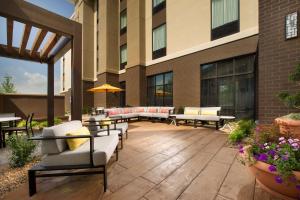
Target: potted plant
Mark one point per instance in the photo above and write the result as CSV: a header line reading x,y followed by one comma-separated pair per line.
x,y
291,122
274,161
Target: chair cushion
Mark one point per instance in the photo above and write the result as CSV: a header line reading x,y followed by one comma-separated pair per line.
x,y
104,147
208,118
75,143
123,126
145,114
185,117
160,115
210,110
58,146
111,132
188,111
152,110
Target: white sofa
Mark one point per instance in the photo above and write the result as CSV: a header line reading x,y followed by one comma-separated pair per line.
x,y
94,153
202,114
141,112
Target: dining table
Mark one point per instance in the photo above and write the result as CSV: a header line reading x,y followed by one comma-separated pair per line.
x,y
9,120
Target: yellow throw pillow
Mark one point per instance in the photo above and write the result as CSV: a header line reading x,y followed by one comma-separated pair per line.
x,y
191,112
208,112
75,143
104,122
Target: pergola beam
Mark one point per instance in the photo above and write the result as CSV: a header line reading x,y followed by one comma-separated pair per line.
x,y
64,46
25,37
10,30
37,41
28,13
13,52
49,45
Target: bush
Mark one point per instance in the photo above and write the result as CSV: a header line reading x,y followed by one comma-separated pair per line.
x,y
244,129
21,150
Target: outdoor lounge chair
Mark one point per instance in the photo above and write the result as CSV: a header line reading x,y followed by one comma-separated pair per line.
x,y
111,126
202,114
93,154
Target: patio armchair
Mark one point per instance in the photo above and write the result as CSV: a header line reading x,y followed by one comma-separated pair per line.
x,y
27,128
92,154
99,127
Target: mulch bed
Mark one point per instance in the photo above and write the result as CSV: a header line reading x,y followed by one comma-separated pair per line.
x,y
12,178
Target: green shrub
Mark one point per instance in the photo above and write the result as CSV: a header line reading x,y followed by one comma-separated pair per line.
x,y
21,150
180,110
57,121
244,129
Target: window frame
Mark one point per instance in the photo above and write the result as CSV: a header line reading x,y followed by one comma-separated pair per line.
x,y
225,29
158,7
162,51
163,86
122,65
124,29
235,76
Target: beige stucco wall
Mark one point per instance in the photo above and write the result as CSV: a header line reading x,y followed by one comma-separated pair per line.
x,y
189,23
135,32
65,85
109,36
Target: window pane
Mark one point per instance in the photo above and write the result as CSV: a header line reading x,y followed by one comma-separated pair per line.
x,y
217,13
230,10
244,65
157,2
159,94
209,95
151,96
159,38
124,54
123,20
208,71
226,95
225,68
169,78
159,79
245,96
151,81
224,11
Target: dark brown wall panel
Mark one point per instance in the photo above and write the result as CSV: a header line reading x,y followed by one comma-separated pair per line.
x,y
23,105
159,18
277,57
123,39
186,69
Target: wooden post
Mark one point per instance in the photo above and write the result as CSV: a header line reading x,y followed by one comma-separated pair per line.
x,y
76,74
50,97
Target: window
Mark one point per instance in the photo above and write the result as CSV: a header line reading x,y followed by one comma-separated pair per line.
x,y
123,56
160,90
230,84
158,5
225,18
159,42
123,22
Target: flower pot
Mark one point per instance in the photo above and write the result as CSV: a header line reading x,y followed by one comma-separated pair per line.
x,y
285,190
289,126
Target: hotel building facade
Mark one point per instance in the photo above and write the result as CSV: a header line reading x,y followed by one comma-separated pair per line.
x,y
184,53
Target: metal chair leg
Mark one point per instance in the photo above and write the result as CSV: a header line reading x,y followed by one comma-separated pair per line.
x,y
105,178
31,182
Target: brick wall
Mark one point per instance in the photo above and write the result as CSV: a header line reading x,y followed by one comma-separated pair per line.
x,y
277,57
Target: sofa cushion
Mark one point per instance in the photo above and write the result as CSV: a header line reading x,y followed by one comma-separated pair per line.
x,y
164,110
152,110
160,115
145,114
123,126
111,132
57,146
208,118
75,143
192,110
139,109
104,147
210,110
185,117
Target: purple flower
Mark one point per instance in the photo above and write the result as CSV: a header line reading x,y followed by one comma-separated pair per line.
x,y
298,187
241,151
290,141
278,179
272,168
286,156
272,153
263,157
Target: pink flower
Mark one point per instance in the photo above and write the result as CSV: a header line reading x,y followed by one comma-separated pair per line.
x,y
281,138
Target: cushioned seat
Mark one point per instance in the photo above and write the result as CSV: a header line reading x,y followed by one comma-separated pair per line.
x,y
160,115
104,148
185,117
207,118
111,132
145,114
123,126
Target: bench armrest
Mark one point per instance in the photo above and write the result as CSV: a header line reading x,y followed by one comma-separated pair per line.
x,y
91,137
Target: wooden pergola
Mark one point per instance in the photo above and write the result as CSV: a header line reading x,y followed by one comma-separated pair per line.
x,y
65,35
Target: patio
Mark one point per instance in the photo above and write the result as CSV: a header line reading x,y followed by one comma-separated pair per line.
x,y
160,161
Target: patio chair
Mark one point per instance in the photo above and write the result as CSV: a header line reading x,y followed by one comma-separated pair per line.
x,y
92,156
27,128
111,126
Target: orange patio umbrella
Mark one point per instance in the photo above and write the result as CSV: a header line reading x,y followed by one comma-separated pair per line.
x,y
105,88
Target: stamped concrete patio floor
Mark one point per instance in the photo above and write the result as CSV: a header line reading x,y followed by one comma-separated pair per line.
x,y
161,161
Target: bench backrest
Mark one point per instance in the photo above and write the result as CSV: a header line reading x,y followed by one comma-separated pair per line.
x,y
58,146
202,110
